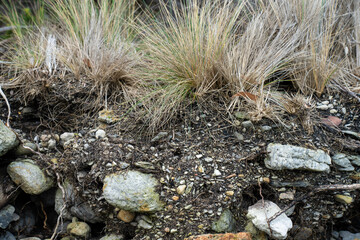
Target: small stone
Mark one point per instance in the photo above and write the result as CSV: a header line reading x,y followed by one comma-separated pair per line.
x,y
247,124
286,196
303,234
65,138
145,165
239,136
266,180
198,156
265,128
208,159
343,199
325,102
23,149
126,216
51,144
6,216
333,111
167,229
159,136
216,173
8,139
175,198
113,237
173,230
343,110
355,176
229,193
144,224
323,107
79,229
181,189
225,223
342,162
108,116
100,134
201,169
232,236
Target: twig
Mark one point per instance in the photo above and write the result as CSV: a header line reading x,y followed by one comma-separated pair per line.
x,y
59,219
263,203
323,188
8,106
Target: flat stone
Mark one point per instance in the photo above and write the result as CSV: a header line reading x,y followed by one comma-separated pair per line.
x,y
296,158
23,149
159,136
67,137
143,224
145,165
112,237
239,136
133,191
108,116
8,139
343,199
259,214
225,223
342,162
28,175
181,189
229,236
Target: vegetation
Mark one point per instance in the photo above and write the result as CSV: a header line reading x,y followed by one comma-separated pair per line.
x,y
254,55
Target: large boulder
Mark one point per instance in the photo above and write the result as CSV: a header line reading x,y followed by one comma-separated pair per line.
x,y
133,191
29,176
296,158
8,139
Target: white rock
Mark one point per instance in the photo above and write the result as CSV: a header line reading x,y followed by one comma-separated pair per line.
x,y
296,158
217,173
100,134
66,138
259,215
333,111
181,189
323,107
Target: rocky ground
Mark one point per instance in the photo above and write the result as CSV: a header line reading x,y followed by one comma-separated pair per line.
x,y
204,175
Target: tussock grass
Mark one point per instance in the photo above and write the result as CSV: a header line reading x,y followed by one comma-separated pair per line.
x,y
251,55
184,50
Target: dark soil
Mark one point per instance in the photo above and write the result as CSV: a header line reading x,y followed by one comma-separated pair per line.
x,y
182,157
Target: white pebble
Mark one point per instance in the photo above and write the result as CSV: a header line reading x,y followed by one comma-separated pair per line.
x,y
217,173
100,134
333,111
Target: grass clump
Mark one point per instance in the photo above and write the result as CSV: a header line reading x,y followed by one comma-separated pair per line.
x,y
185,48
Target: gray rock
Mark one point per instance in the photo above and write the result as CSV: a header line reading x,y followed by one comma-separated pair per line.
x,y
51,144
66,138
7,236
133,191
296,158
143,224
159,136
6,216
226,222
247,124
259,214
265,128
345,235
85,212
112,237
297,184
8,139
239,136
342,162
23,149
29,176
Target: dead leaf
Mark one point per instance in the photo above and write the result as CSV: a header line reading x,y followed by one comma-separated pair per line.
x,y
331,121
87,62
245,95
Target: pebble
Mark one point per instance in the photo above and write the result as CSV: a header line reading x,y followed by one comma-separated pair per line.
x,y
208,159
229,193
100,134
287,196
217,173
343,199
323,107
113,237
126,216
181,189
239,136
144,224
6,216
266,128
79,229
247,124
226,222
333,111
159,136
175,198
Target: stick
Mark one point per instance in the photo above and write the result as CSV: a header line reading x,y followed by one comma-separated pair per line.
x,y
8,106
323,188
